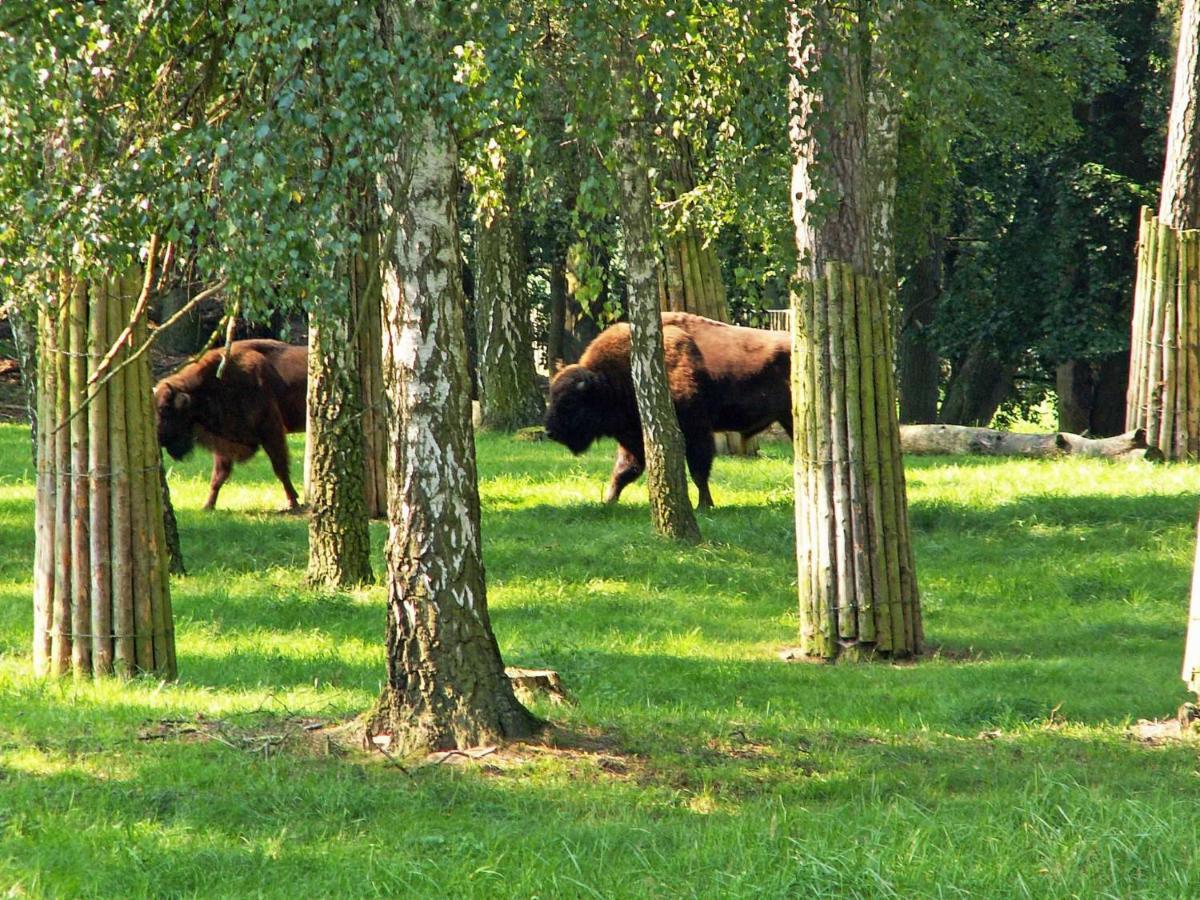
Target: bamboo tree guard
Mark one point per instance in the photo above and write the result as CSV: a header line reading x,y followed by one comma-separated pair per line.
x,y
858,590
1164,365
101,592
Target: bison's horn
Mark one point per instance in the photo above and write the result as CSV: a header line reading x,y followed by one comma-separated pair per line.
x,y
181,400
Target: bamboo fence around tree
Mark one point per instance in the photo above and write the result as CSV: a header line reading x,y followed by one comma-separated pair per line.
x,y
101,590
1164,365
858,591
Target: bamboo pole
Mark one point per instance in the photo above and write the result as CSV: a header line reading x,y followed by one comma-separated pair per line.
x,y
81,608
807,440
845,625
1169,357
124,648
47,503
1158,296
827,586
872,471
913,633
887,474
853,289
60,652
1135,399
1179,436
1192,347
148,470
99,477
143,605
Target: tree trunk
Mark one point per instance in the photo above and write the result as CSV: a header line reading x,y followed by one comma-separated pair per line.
x,y
446,686
976,389
670,506
953,440
101,585
918,363
339,546
509,396
170,527
1164,382
1179,205
857,584
555,330
366,295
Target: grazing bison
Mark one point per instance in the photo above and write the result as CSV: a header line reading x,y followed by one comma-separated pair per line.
x,y
722,378
258,399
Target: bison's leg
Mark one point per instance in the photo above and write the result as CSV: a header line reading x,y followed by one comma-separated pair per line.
x,y
222,466
701,449
275,444
625,471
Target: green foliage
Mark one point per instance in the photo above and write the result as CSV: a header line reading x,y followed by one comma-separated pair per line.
x,y
1054,589
1030,136
234,133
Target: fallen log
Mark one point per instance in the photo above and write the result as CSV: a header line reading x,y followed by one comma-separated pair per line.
x,y
955,440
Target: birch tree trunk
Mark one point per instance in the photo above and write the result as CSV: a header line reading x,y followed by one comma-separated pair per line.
x,y
101,586
446,686
857,584
670,506
509,397
339,546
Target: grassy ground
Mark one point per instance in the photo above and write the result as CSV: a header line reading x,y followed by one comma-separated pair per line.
x,y
997,767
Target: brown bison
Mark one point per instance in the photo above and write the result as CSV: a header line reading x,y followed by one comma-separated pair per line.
x,y
258,399
722,378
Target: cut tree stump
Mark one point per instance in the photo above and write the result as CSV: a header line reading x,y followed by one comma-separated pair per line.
x,y
955,440
538,681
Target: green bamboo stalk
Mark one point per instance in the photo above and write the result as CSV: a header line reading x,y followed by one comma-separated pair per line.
x,y
1192,348
156,550
1180,431
1157,322
60,651
143,603
853,289
877,551
845,610
1135,411
887,471
99,472
823,536
805,447
1169,347
47,500
120,524
913,631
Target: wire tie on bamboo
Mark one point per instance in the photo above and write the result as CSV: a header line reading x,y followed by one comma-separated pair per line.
x,y
120,637
99,476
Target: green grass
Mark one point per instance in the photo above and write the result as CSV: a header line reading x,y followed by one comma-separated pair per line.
x,y
1056,592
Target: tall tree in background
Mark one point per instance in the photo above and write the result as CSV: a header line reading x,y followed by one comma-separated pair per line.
x,y
857,582
446,686
670,506
509,397
1164,383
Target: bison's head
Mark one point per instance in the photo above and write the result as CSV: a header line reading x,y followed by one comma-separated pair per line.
x,y
576,413
176,420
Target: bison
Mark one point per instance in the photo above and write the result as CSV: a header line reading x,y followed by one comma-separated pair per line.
x,y
257,400
722,378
